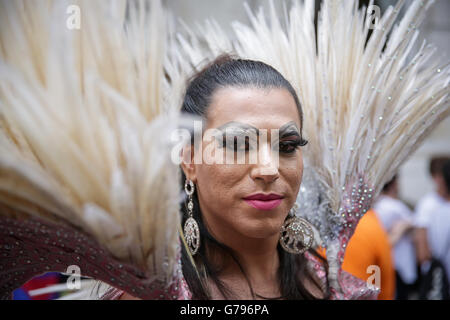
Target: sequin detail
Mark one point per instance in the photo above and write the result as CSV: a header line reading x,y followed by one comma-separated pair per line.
x,y
31,246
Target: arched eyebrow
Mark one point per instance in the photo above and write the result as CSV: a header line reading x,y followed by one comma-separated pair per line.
x,y
238,125
288,129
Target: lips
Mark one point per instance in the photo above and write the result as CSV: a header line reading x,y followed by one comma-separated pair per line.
x,y
264,201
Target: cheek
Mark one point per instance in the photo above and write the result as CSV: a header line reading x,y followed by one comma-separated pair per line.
x,y
292,171
216,183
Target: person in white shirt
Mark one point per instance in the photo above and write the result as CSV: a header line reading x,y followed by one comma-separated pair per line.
x,y
427,206
397,220
438,227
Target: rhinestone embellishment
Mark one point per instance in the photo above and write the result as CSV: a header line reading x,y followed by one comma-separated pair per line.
x,y
192,235
296,235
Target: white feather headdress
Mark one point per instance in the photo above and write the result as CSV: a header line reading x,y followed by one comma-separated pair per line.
x,y
84,126
368,102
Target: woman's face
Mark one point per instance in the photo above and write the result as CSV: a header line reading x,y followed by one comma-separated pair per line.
x,y
232,196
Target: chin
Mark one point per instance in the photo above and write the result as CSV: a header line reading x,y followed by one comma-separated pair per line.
x,y
261,229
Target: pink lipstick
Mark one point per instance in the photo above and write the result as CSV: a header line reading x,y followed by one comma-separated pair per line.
x,y
264,201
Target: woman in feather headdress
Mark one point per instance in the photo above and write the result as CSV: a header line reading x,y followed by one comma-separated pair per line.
x,y
86,176
243,185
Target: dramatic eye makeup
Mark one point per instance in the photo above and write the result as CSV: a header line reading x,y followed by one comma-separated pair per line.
x,y
238,136
290,138
242,137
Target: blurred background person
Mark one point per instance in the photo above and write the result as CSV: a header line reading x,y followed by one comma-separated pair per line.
x,y
397,221
427,206
370,246
436,269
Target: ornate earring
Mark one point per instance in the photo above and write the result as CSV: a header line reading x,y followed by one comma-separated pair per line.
x,y
296,234
191,230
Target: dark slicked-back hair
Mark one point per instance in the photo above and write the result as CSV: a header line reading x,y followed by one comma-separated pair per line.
x,y
225,72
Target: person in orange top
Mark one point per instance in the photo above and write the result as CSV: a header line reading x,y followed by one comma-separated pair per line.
x,y
370,246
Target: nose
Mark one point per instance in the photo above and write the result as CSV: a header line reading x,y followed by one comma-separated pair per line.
x,y
266,168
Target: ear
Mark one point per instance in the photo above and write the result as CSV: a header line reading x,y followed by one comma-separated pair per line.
x,y
187,163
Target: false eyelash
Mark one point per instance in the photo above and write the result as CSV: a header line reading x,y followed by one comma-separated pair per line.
x,y
293,144
303,142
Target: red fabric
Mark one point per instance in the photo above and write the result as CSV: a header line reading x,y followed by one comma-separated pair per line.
x,y
41,282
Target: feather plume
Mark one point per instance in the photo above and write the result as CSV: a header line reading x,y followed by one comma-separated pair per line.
x,y
84,125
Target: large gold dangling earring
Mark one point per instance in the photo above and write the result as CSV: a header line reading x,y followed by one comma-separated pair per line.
x,y
296,234
191,230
